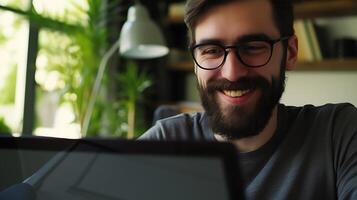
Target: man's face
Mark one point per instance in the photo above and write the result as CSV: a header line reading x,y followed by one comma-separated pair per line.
x,y
239,100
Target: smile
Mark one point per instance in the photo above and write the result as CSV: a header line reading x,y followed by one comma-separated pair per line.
x,y
235,93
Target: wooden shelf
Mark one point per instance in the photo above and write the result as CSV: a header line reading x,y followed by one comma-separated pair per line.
x,y
327,8
309,9
349,64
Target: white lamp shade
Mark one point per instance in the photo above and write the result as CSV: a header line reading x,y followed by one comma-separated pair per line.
x,y
140,37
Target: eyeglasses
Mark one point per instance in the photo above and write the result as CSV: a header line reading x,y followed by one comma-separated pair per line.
x,y
251,53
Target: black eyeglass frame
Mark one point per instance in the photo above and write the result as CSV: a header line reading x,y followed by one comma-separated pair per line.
x,y
237,46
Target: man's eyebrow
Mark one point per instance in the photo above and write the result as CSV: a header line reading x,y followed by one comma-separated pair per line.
x,y
243,38
253,37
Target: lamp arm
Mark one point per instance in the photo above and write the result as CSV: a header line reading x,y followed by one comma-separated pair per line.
x,y
96,86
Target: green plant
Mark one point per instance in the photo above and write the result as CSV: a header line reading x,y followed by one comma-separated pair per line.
x,y
76,59
8,89
132,85
4,129
72,52
2,37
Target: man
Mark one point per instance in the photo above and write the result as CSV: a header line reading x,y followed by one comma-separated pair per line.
x,y
241,49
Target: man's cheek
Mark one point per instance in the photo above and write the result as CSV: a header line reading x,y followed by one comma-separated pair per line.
x,y
202,84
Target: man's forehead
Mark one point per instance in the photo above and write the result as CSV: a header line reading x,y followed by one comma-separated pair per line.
x,y
236,20
236,4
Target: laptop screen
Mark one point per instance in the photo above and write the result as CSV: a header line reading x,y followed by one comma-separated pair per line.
x,y
130,170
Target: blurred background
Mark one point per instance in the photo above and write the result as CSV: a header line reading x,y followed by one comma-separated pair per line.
x,y
50,52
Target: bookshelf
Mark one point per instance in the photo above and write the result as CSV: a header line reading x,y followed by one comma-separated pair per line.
x,y
325,8
307,9
348,64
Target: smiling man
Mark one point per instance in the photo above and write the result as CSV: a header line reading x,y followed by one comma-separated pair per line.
x,y
240,66
241,50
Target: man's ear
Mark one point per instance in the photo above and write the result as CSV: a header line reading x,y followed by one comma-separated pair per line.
x,y
292,51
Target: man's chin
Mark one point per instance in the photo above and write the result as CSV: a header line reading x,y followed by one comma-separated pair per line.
x,y
237,113
231,122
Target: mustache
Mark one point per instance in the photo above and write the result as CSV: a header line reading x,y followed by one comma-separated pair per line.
x,y
244,83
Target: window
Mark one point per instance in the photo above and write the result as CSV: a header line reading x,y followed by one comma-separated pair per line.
x,y
58,68
67,41
14,30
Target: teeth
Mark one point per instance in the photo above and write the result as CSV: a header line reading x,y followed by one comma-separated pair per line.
x,y
235,93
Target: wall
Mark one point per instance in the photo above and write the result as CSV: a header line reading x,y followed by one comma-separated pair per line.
x,y
319,88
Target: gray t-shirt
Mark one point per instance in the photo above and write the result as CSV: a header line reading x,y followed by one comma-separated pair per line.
x,y
312,155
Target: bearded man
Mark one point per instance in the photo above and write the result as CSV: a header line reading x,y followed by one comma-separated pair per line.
x,y
241,50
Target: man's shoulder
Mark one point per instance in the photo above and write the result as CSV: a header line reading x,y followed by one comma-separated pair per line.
x,y
327,119
182,118
183,126
322,110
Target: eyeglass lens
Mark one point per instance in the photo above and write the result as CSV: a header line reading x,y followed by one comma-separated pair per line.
x,y
251,54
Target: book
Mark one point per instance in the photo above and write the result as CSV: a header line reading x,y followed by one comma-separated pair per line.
x,y
324,38
176,11
312,40
305,52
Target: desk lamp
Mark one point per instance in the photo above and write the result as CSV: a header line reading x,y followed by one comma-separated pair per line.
x,y
140,38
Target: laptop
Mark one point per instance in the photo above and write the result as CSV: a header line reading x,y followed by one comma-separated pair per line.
x,y
107,169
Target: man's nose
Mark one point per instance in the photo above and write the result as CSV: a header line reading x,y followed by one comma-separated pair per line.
x,y
233,69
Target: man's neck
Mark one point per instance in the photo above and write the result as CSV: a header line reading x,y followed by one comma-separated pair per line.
x,y
255,142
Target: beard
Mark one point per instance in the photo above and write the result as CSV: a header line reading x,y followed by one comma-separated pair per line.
x,y
236,122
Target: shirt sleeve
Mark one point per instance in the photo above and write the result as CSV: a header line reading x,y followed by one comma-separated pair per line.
x,y
345,152
182,127
178,128
154,133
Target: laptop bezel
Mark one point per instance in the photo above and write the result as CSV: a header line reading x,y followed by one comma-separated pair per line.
x,y
225,151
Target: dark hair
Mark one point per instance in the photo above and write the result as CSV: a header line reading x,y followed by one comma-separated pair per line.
x,y
282,13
